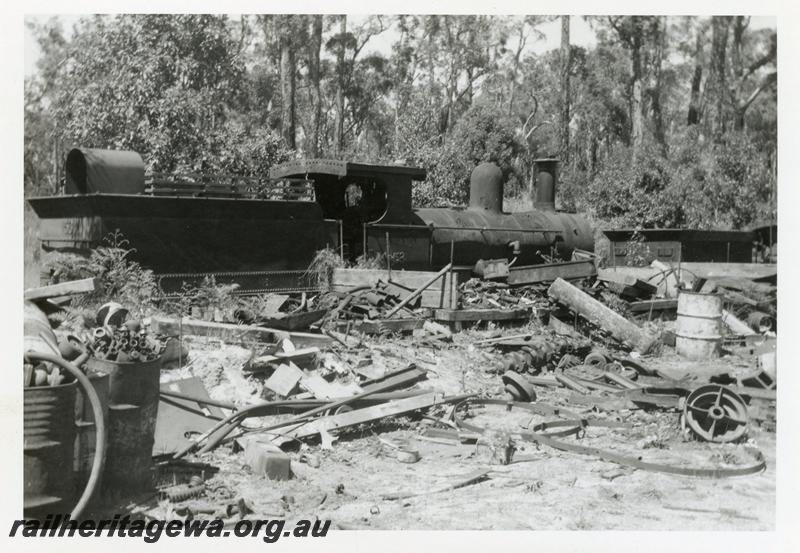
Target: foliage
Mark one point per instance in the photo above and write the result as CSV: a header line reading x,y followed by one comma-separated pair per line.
x,y
483,133
323,265
670,125
120,279
635,194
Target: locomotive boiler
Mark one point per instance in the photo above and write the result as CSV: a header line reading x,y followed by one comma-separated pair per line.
x,y
263,232
373,204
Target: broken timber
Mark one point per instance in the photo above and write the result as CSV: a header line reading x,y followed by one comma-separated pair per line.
x,y
597,313
424,286
358,416
474,315
533,274
235,333
82,286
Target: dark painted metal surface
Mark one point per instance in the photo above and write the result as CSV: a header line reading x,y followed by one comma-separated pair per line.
x,y
486,188
538,233
132,413
545,196
341,168
180,235
48,444
111,171
685,245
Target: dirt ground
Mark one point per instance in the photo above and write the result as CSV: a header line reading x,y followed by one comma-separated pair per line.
x,y
553,490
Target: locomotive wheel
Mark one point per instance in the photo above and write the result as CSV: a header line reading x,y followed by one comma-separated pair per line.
x,y
715,413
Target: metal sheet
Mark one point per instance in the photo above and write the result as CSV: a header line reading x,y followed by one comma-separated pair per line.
x,y
179,419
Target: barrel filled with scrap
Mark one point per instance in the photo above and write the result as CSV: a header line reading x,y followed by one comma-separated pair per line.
x,y
131,358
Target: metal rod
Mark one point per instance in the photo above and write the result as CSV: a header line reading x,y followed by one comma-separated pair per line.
x,y
388,256
341,239
365,241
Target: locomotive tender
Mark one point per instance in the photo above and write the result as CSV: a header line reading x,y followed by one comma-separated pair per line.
x,y
263,233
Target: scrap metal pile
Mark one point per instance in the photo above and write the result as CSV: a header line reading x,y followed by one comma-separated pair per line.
x,y
586,355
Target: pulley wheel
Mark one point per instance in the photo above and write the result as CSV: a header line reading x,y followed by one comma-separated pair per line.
x,y
715,413
519,387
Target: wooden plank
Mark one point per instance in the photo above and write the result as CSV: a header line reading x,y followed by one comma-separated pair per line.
x,y
224,331
750,271
462,315
533,274
82,286
389,325
285,378
656,305
347,279
360,416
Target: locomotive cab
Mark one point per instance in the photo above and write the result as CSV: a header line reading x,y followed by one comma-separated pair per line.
x,y
356,195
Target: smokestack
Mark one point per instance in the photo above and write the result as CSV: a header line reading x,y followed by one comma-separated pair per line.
x,y
546,180
486,188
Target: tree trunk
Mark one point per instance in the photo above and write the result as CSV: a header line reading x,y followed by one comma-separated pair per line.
x,y
719,46
340,70
287,77
693,117
637,123
566,59
655,93
314,74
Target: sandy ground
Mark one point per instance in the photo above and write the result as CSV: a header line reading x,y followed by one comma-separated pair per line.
x,y
552,491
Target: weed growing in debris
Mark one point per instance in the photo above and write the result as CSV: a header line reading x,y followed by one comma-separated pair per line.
x,y
119,278
326,261
323,265
638,251
126,282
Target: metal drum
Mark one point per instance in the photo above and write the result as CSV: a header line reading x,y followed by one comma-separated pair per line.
x,y
697,330
49,441
132,411
85,439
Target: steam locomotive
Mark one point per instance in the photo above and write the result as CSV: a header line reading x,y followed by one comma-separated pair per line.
x,y
264,232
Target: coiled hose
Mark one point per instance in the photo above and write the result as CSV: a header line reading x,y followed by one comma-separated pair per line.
x,y
98,462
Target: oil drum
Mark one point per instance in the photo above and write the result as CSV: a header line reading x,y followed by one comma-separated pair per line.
x,y
49,442
697,330
133,392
